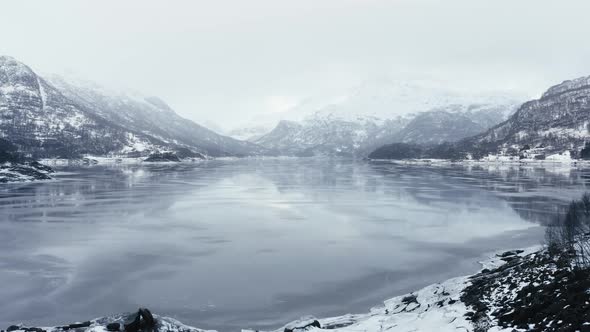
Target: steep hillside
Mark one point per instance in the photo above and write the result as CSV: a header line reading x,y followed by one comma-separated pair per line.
x,y
44,119
151,116
43,122
436,127
557,123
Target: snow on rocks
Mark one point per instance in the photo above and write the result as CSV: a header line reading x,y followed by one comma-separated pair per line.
x,y
518,290
453,305
562,159
24,172
116,160
142,320
532,292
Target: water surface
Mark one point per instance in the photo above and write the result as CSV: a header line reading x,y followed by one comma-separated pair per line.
x,y
257,243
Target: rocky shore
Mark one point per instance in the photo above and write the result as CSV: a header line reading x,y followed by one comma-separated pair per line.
x,y
24,172
141,320
537,292
519,290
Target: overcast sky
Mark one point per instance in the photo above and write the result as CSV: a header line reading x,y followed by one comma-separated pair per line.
x,y
226,61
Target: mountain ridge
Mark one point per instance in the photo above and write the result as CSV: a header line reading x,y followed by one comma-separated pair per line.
x,y
56,118
323,134
556,123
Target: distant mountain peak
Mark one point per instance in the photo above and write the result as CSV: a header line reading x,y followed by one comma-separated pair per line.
x,y
385,110
8,60
17,74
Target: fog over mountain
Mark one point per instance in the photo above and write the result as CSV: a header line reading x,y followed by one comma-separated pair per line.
x,y
554,127
54,117
230,62
377,112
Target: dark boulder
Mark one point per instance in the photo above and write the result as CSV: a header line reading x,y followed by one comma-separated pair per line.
x,y
148,318
113,327
510,253
410,299
17,170
303,325
143,320
79,325
38,166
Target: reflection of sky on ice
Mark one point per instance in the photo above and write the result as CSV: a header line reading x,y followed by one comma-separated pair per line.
x,y
257,243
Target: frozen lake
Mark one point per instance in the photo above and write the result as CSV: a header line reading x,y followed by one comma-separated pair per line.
x,y
257,243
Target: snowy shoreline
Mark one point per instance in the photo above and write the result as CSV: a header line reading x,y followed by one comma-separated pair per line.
x,y
437,307
15,173
24,172
95,160
500,162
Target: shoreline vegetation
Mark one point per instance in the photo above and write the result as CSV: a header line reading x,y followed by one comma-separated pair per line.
x,y
542,288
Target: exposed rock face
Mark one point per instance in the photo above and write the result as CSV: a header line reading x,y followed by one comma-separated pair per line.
x,y
579,83
142,321
113,327
60,119
303,325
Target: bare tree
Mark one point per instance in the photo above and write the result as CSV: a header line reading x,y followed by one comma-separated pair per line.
x,y
569,235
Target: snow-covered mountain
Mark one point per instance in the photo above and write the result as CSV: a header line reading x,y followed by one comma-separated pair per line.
x,y
332,136
559,121
57,118
435,127
385,98
369,117
555,126
250,134
151,115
